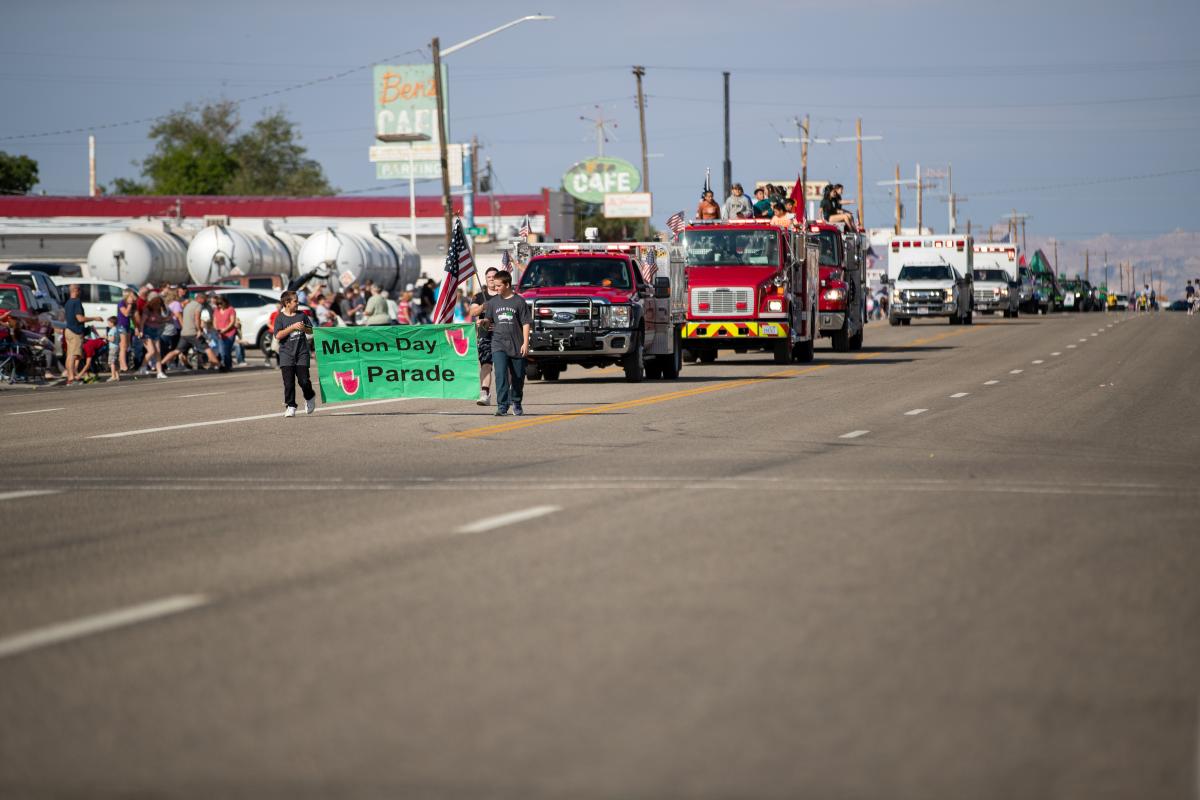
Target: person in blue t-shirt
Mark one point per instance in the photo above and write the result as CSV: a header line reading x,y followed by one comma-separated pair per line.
x,y
76,323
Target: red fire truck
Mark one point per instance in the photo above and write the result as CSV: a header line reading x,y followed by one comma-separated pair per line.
x,y
750,284
843,300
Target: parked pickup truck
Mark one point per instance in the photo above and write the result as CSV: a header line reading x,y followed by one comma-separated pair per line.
x,y
597,305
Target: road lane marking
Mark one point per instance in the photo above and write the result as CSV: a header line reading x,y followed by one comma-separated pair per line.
x,y
1071,346
1038,361
230,420
1056,354
1015,371
86,626
27,493
201,394
915,411
990,383
1083,340
853,434
957,395
511,518
1095,334
35,411
520,423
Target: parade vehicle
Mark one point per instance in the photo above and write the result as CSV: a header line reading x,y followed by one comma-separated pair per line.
x,y
1000,288
842,302
931,276
1118,302
1077,295
749,284
597,304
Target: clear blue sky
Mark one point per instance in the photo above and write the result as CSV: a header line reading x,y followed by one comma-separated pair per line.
x,y
1015,95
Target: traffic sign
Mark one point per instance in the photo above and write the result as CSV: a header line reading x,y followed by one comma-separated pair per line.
x,y
477,230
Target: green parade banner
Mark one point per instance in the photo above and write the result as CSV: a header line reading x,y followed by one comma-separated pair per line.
x,y
381,361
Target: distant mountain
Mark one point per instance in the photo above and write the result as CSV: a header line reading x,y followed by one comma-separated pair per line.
x,y
1174,258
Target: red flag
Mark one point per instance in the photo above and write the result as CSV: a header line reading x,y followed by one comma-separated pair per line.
x,y
799,199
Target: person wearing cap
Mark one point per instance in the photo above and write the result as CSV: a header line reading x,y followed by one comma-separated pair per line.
x,y
737,205
191,330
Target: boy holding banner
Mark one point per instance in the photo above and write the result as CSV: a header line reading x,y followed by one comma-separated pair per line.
x,y
509,319
291,329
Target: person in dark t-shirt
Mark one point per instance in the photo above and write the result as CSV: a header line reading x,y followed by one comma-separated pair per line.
x,y
291,331
509,319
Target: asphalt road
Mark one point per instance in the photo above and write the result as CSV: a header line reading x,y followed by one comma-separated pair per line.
x,y
960,564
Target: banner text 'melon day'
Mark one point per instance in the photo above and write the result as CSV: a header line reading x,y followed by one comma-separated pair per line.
x,y
333,347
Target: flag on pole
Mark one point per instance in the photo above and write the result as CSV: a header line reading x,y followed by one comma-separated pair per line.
x,y
525,229
506,261
798,196
707,182
460,266
650,266
675,223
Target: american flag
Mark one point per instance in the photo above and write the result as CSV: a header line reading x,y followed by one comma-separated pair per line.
x,y
675,223
460,266
525,228
506,261
650,265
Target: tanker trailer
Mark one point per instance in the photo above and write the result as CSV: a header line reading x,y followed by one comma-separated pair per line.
x,y
340,258
219,251
407,257
139,256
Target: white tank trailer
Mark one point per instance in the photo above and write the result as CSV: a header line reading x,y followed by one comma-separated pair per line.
x,y
342,257
218,251
139,256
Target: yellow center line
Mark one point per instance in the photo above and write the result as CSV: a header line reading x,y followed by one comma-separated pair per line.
x,y
528,422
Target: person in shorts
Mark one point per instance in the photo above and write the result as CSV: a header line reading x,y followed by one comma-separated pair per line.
x,y
114,351
76,325
191,332
483,336
291,331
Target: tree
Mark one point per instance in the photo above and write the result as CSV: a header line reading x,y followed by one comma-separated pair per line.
x,y
198,151
18,174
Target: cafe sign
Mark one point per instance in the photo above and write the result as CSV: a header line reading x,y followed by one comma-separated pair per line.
x,y
589,181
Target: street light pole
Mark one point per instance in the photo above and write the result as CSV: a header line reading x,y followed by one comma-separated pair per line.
x,y
411,139
435,45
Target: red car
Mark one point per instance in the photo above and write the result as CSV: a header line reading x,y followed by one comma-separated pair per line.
x,y
18,301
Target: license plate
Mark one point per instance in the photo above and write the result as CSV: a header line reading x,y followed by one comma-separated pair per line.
x,y
922,310
769,330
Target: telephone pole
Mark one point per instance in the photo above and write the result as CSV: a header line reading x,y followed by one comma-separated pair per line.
x,y
953,200
638,72
858,140
1087,265
443,156
728,163
896,184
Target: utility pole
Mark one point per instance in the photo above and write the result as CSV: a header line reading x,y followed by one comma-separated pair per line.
x,y
638,72
953,200
899,212
858,139
728,163
447,208
1087,265
1056,258
1023,235
920,208
91,165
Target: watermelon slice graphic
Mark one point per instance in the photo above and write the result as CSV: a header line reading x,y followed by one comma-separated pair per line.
x,y
458,340
347,382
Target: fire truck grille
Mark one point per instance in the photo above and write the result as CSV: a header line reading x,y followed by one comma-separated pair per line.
x,y
722,302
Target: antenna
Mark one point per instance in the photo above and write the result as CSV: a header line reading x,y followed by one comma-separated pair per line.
x,y
602,126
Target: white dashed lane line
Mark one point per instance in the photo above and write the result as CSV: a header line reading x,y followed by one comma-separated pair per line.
x,y
86,626
990,383
185,425
1083,340
957,395
201,394
1015,371
35,411
26,493
915,411
1072,346
511,518
853,434
1038,361
1056,354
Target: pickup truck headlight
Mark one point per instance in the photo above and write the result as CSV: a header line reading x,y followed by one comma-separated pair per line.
x,y
949,294
775,305
1004,291
895,295
619,316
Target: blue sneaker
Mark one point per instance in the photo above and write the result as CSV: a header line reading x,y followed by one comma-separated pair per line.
x,y
501,411
517,410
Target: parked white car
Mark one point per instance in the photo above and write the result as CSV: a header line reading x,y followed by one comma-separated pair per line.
x,y
100,298
254,308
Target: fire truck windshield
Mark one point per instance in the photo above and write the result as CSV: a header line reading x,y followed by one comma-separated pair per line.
x,y
725,248
561,271
831,248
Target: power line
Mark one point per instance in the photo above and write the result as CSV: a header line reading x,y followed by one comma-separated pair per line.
x,y
1094,182
238,102
911,106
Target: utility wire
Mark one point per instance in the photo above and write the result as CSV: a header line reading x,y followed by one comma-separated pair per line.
x,y
1094,182
237,102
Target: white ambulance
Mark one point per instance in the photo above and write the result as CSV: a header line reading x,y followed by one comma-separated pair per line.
x,y
930,276
997,279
